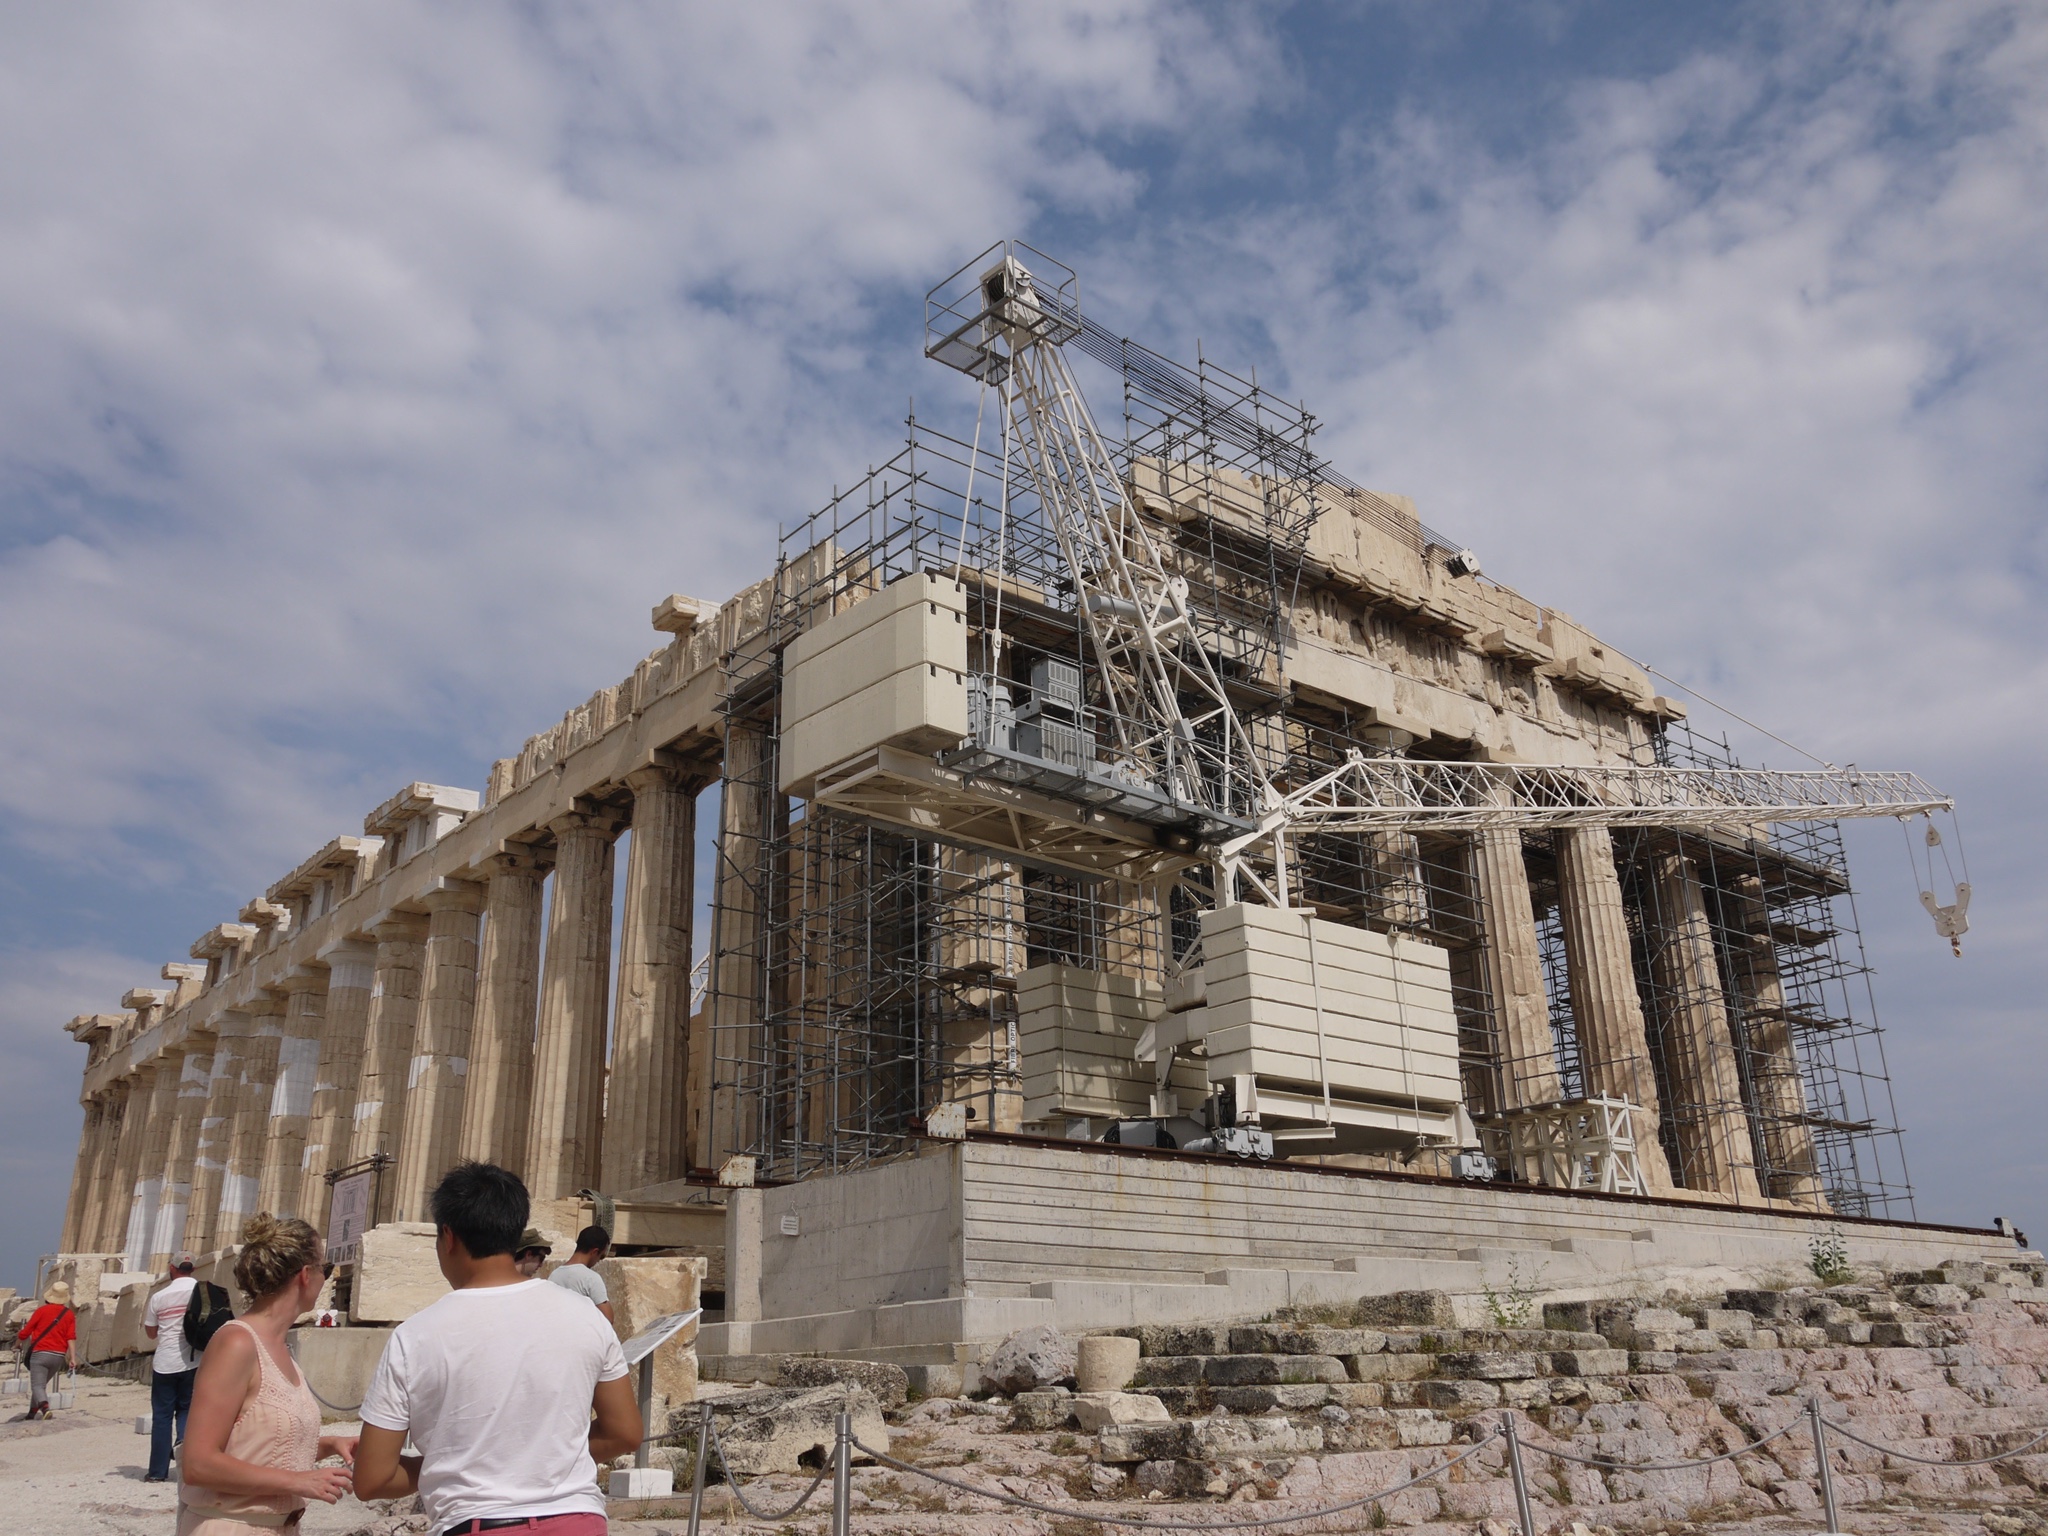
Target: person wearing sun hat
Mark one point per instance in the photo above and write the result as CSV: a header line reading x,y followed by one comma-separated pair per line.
x,y
49,1340
532,1252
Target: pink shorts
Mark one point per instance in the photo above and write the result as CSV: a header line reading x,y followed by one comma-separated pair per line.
x,y
546,1525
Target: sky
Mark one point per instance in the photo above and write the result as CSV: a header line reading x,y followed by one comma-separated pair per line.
x,y
367,373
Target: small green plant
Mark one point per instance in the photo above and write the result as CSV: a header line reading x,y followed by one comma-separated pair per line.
x,y
1379,1517
1828,1256
1065,1445
1514,1304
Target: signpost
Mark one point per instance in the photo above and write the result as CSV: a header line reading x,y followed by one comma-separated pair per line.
x,y
352,1207
639,1350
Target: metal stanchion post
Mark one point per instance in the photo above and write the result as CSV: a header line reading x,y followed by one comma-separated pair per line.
x,y
1523,1512
842,1478
1820,1461
703,1456
640,1457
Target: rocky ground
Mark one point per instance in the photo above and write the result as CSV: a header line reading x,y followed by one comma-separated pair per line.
x,y
1302,1413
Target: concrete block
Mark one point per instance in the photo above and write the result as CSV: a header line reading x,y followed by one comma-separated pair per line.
x,y
1104,1363
1473,1365
1391,1367
645,1289
1265,1399
1041,1410
1282,1339
397,1273
643,1483
1408,1309
1270,1370
1227,1439
1589,1362
932,1380
1126,1443
1457,1394
1180,1339
1096,1411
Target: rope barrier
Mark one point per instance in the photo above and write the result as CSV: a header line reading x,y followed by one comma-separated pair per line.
x,y
1069,1512
1602,1464
741,1499
1932,1461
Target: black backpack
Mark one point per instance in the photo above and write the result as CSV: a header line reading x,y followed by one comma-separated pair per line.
x,y
205,1315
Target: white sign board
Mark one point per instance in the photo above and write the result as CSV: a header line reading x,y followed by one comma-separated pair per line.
x,y
657,1333
348,1213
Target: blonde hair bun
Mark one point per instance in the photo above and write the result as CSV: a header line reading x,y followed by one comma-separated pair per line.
x,y
274,1250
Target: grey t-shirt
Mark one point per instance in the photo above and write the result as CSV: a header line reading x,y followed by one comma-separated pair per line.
x,y
583,1280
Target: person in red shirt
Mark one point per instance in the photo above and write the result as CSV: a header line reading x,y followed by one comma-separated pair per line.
x,y
50,1341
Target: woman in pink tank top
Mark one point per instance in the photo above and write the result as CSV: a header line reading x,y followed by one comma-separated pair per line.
x,y
253,1441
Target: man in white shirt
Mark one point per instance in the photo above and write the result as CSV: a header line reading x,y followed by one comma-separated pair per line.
x,y
578,1272
496,1383
172,1368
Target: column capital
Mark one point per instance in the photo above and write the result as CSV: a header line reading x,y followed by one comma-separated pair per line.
x,y
306,979
514,859
341,951
400,928
570,823
446,895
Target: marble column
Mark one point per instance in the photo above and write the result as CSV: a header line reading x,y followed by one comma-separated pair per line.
x,y
438,1071
500,1096
124,1198
77,1208
562,1151
279,1185
232,1033
738,964
1794,1172
245,1143
646,1138
93,1233
152,1156
387,1042
1514,971
330,1119
173,1212
1706,1106
1607,1011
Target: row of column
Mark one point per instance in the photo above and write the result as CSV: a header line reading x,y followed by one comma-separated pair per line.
x,y
459,1031
1710,1125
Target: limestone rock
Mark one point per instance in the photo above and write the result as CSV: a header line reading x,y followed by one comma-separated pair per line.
x,y
1590,1362
1283,1339
1141,1442
1105,1363
1180,1338
397,1274
1402,1367
1477,1366
1406,1309
1041,1410
1220,1439
1270,1370
1029,1359
1291,1398
1095,1411
1457,1394
772,1430
644,1289
942,1381
889,1383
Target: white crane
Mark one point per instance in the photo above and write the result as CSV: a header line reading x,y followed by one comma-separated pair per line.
x,y
1171,724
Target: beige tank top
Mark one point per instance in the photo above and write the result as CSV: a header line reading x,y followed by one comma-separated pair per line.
x,y
278,1427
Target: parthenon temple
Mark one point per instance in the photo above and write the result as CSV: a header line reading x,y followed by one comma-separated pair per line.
x,y
994,1004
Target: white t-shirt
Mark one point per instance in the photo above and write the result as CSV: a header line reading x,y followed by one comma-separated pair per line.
x,y
495,1385
584,1281
165,1313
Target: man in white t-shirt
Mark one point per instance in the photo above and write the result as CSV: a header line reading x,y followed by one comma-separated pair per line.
x,y
172,1368
496,1383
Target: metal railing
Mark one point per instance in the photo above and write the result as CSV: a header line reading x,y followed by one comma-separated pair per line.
x,y
840,1468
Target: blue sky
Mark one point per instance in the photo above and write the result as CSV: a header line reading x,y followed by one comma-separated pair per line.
x,y
367,373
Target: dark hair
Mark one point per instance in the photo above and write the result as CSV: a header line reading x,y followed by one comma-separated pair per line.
x,y
592,1237
485,1206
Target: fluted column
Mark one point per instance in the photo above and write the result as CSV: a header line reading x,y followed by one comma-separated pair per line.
x,y
387,1040
500,1096
439,1069
152,1153
1607,1011
1706,1105
1794,1172
217,1131
646,1138
174,1206
1514,971
77,1208
255,1090
738,966
330,1119
103,1124
291,1098
125,1202
568,1064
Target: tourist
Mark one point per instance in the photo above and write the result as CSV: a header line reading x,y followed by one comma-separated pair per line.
x,y
578,1272
172,1368
532,1252
49,1342
496,1383
253,1444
